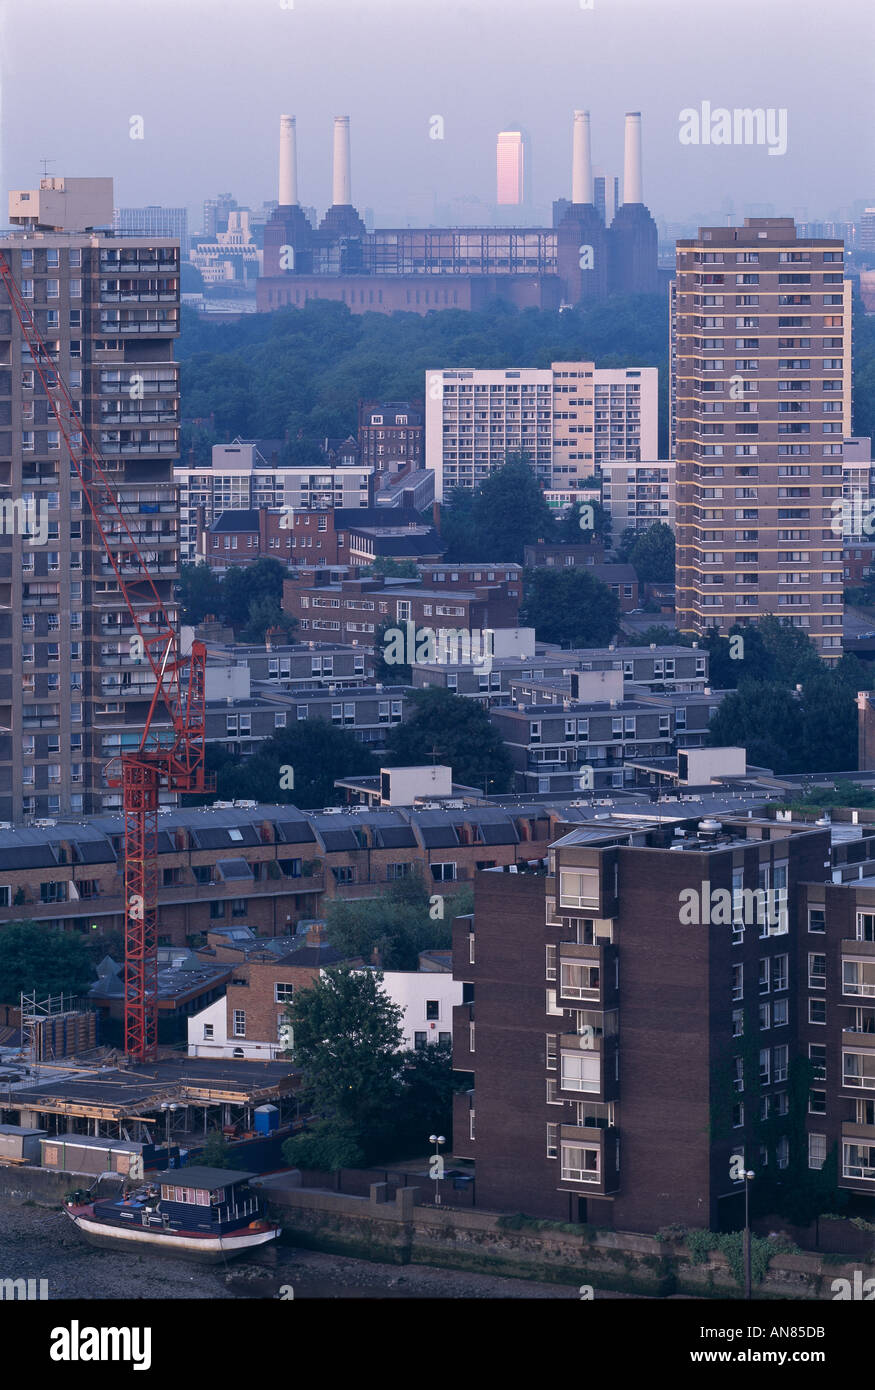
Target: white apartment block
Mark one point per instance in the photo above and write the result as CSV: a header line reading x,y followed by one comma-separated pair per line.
x,y
239,478
637,495
569,419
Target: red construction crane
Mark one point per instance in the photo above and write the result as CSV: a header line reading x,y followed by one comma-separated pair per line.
x,y
172,758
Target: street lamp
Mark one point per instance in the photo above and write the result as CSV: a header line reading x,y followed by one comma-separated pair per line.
x,y
748,1179
437,1164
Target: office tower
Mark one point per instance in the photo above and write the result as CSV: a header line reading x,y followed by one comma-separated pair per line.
x,y
216,211
621,1056
606,195
633,238
108,307
761,401
567,418
510,172
153,221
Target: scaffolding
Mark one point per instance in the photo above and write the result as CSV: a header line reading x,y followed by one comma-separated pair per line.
x,y
55,1027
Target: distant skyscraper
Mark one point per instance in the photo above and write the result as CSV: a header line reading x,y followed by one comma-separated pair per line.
x,y
216,212
510,168
153,221
606,195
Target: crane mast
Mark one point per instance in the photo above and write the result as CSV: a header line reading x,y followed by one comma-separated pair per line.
x,y
171,757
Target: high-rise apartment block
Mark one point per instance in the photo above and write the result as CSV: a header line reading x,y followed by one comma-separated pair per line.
x,y
638,495
568,419
71,694
761,401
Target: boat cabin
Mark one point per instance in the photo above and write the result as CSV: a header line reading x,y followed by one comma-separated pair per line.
x,y
208,1200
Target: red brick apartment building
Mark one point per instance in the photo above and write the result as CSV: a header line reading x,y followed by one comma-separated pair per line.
x,y
352,610
294,537
607,1039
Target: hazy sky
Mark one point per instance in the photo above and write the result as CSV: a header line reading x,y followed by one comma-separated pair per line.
x,y
210,79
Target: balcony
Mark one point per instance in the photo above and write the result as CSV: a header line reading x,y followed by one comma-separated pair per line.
x,y
587,1159
587,1067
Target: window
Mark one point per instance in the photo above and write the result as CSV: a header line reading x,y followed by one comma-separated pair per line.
x,y
858,1069
580,981
780,1013
737,982
239,1023
551,963
580,1163
419,1039
817,1102
816,1150
765,1017
817,919
552,1141
432,1009
283,992
858,1161
779,1062
816,971
858,977
579,888
782,1152
737,1022
765,1073
817,1011
580,1071
209,1030
865,926
551,1051
443,873
779,972
765,965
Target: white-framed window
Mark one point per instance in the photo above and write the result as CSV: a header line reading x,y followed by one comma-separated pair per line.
x,y
816,971
858,1069
552,1141
780,1062
283,992
816,1150
551,1051
581,1071
551,962
239,1023
580,1163
209,1030
579,887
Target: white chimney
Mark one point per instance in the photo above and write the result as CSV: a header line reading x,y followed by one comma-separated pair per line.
x,y
632,189
581,159
288,186
341,194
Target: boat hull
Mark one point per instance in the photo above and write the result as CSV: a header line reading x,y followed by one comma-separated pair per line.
x,y
180,1244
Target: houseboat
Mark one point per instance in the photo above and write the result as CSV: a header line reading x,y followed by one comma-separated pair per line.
x,y
208,1214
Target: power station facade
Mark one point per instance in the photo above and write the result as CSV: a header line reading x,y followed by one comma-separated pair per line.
x,y
580,260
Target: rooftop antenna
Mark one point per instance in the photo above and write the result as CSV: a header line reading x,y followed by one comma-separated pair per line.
x,y
45,163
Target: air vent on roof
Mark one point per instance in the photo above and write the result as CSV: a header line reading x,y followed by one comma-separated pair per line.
x,y
246,805
709,826
223,805
44,824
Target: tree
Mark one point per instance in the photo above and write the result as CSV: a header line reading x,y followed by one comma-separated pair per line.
x,y
200,593
298,765
456,526
659,636
397,925
570,532
347,1043
764,718
569,605
650,552
266,613
451,729
509,512
829,724
389,673
244,585
427,1107
385,567
46,959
